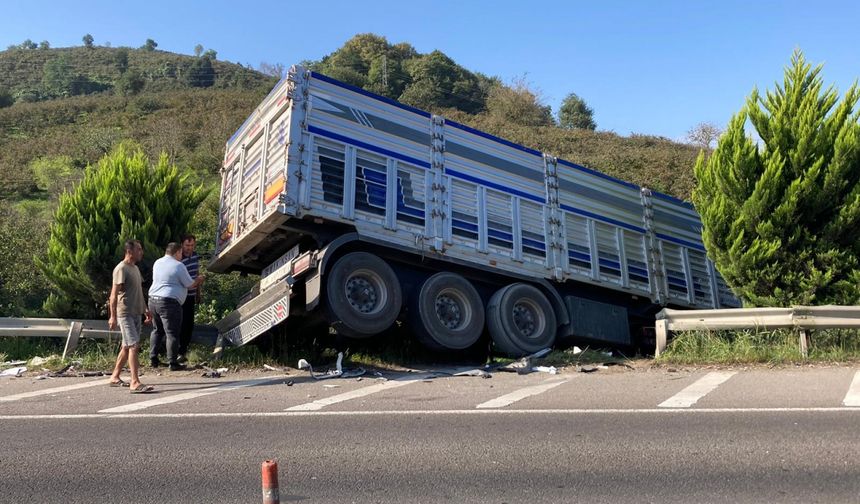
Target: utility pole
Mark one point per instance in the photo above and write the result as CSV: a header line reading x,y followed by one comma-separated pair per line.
x,y
385,71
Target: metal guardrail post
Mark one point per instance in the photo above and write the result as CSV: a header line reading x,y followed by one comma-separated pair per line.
x,y
661,331
804,348
75,329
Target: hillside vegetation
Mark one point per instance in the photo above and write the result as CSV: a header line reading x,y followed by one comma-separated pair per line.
x,y
63,109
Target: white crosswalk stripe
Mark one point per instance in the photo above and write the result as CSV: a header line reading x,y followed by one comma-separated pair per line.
x,y
852,398
54,390
137,406
520,394
355,394
699,389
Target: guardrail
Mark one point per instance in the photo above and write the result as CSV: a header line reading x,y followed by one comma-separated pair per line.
x,y
802,318
73,330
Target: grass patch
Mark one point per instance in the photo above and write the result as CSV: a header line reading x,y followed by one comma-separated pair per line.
x,y
15,349
765,347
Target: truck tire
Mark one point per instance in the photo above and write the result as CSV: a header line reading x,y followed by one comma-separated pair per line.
x,y
521,320
363,295
447,313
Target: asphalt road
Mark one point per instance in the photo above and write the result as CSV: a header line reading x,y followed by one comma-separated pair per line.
x,y
759,436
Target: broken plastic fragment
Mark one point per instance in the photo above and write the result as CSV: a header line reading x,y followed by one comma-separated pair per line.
x,y
336,373
14,372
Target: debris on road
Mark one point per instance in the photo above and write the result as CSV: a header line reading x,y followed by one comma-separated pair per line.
x,y
338,372
524,365
214,373
14,372
273,368
474,372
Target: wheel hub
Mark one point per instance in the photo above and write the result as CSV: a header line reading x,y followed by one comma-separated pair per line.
x,y
361,294
525,319
449,311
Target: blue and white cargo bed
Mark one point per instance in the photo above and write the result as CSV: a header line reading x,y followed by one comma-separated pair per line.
x,y
325,153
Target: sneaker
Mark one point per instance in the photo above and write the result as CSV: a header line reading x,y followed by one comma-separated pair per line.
x,y
154,363
181,359
175,366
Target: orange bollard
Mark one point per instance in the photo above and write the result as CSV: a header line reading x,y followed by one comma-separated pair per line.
x,y
270,482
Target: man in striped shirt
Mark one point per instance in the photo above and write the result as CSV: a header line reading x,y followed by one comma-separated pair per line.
x,y
192,263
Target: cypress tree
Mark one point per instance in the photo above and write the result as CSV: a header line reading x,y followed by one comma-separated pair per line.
x,y
124,196
781,216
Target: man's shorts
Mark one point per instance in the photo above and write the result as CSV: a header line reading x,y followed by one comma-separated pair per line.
x,y
130,326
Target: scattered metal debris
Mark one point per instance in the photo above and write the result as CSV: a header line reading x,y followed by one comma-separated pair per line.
x,y
338,372
524,365
474,372
214,373
273,368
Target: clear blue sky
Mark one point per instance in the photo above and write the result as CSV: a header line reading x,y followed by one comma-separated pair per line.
x,y
655,67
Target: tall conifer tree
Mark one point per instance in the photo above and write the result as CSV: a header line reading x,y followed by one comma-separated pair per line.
x,y
124,196
781,216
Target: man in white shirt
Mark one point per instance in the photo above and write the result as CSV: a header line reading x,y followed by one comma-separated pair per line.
x,y
170,284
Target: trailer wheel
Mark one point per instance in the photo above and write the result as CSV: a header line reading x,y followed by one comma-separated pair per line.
x,y
363,295
521,320
447,313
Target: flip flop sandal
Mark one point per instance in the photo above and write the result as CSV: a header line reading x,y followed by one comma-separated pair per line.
x,y
118,384
143,389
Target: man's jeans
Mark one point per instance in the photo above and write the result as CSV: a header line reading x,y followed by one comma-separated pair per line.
x,y
187,324
167,321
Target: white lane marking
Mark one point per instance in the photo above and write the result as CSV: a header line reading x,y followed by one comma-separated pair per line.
x,y
699,389
54,390
852,398
280,414
522,393
159,401
355,394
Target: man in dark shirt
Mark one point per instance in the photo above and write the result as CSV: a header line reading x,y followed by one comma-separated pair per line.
x,y
192,263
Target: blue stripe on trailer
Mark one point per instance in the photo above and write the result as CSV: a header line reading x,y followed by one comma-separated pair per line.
x,y
637,271
358,143
461,224
493,138
374,176
498,187
598,174
677,281
610,264
534,244
673,199
586,213
360,91
409,210
681,242
579,255
501,235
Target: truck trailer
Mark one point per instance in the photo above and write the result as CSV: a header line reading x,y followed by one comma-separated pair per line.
x,y
360,210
